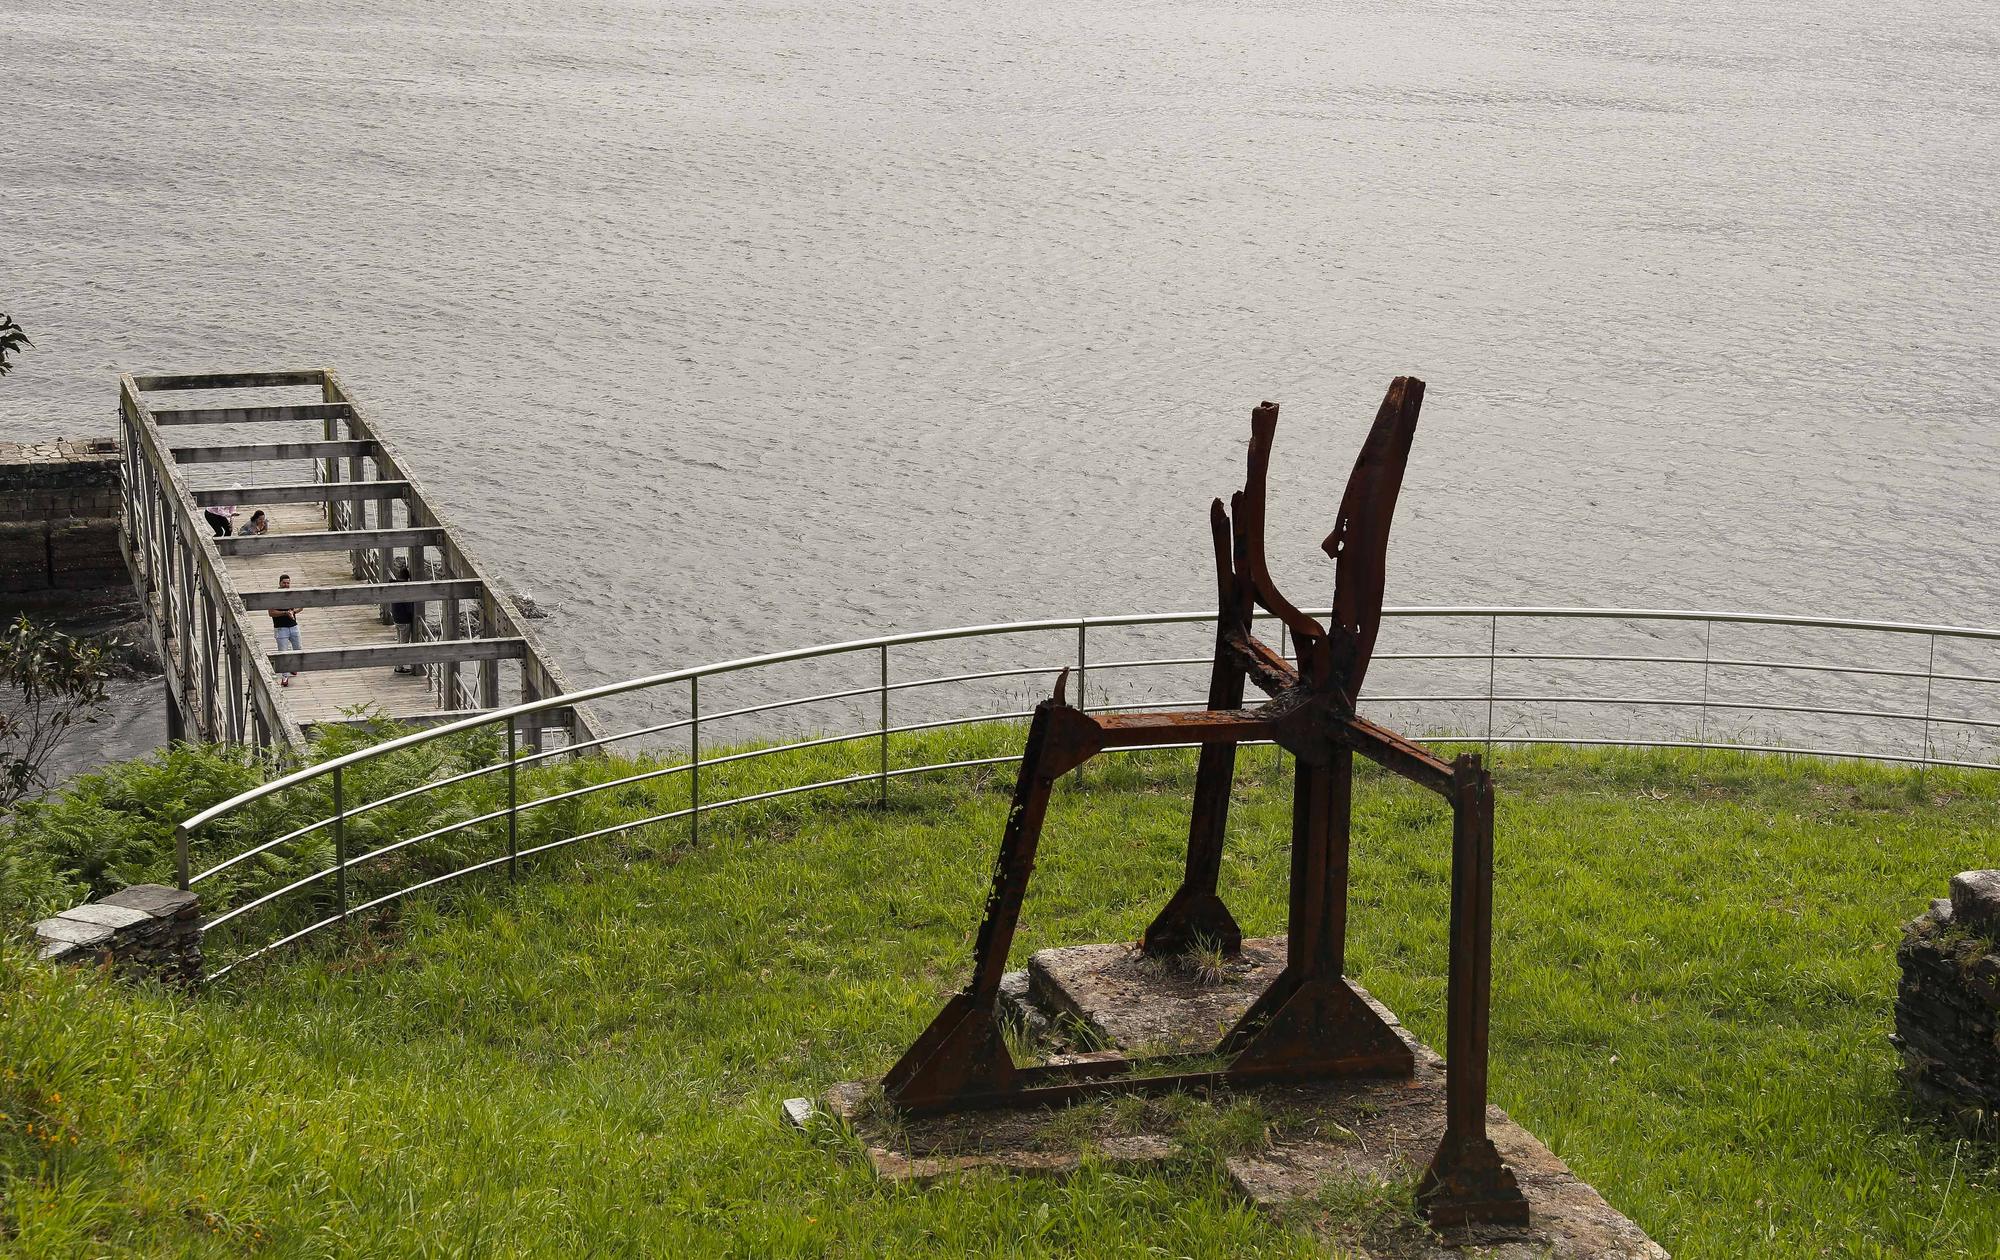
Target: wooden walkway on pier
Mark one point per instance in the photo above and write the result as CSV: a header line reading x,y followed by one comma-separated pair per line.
x,y
344,513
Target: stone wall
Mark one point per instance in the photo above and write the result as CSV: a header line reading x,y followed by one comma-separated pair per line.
x,y
147,931
59,511
1948,1004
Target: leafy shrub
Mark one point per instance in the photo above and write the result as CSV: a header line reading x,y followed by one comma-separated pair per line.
x,y
116,827
104,831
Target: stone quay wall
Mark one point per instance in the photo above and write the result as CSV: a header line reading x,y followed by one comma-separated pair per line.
x,y
1948,1003
59,514
147,931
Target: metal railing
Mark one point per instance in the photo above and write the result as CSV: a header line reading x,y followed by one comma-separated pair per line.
x,y
1531,685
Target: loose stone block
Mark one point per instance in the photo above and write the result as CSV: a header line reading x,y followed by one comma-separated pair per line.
x,y
158,900
800,1112
1017,1004
74,931
1975,899
107,915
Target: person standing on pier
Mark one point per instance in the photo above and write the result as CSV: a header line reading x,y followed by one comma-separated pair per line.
x,y
285,624
404,614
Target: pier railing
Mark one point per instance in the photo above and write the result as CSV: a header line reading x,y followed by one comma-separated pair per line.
x,y
359,831
219,681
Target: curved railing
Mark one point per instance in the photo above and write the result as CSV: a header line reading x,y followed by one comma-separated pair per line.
x,y
414,811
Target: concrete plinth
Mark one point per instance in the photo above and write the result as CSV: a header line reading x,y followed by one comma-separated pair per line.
x,y
1122,998
1320,1146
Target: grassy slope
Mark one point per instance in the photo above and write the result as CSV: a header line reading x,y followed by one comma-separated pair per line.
x,y
1694,971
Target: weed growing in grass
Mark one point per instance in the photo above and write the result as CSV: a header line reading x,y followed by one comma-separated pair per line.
x,y
1227,1126
1364,1206
1129,1114
1202,962
1072,1127
1207,1129
1021,1044
1079,1036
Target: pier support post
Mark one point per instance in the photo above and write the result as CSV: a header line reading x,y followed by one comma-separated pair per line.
x,y
529,694
176,724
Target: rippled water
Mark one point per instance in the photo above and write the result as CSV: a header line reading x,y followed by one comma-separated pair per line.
x,y
724,327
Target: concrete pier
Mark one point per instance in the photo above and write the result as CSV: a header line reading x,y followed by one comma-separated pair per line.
x,y
345,516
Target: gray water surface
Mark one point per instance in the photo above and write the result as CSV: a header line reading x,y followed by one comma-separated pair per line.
x,y
725,327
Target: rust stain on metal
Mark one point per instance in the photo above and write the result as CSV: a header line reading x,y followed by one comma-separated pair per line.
x,y
1310,1023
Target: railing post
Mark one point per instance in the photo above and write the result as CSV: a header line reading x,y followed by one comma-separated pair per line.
x,y
694,774
181,858
1082,672
882,796
1082,662
339,844
1930,674
513,807
1492,663
1707,637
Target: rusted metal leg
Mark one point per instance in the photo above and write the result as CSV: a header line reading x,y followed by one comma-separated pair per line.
x,y
1338,810
1312,837
1311,1022
961,1055
1195,914
1466,1183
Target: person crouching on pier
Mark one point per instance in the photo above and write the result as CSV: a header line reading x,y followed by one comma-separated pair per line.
x,y
221,518
285,624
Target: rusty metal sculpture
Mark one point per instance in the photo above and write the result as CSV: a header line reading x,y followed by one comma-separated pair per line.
x,y
1310,1023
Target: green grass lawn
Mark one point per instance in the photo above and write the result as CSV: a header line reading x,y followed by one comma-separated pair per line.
x,y
1694,970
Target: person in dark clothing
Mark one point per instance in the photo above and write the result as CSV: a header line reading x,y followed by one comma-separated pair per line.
x,y
285,626
404,614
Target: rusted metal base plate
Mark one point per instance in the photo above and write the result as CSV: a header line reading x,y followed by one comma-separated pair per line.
x,y
1329,1147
